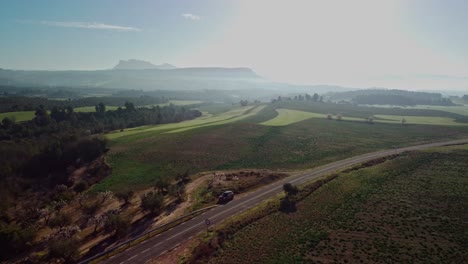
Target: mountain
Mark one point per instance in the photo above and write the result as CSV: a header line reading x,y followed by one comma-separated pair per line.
x,y
133,64
148,79
201,79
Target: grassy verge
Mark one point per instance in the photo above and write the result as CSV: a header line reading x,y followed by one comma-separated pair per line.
x,y
406,210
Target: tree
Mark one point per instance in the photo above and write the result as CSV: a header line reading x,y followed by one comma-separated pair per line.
x,y
370,120
329,116
41,118
177,191
403,121
96,221
125,196
244,102
161,184
339,117
116,222
100,108
289,189
104,196
315,97
152,202
66,248
7,123
130,107
60,220
81,198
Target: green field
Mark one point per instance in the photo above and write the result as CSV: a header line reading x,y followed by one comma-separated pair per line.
x,y
408,210
236,140
461,110
419,120
93,108
287,117
18,116
236,114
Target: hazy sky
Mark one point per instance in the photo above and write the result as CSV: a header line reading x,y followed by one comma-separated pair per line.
x,y
412,44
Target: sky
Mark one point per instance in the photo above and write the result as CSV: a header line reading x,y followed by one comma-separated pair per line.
x,y
416,45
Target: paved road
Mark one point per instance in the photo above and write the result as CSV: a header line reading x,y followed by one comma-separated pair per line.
x,y
163,242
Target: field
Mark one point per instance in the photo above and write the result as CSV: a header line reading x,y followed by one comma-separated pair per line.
x,y
407,210
419,120
18,116
29,115
461,110
236,140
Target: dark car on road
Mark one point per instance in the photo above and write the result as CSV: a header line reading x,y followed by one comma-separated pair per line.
x,y
226,196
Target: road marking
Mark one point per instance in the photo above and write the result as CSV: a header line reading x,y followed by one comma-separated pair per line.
x,y
157,244
192,227
133,257
178,244
145,250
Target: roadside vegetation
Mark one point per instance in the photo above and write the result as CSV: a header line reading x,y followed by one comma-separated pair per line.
x,y
409,209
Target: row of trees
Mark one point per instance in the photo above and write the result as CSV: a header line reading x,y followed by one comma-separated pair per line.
x,y
24,103
306,97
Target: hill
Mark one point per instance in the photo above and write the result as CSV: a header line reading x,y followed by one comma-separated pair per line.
x,y
133,64
390,97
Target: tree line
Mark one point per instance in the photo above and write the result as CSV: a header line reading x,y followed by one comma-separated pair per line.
x,y
23,103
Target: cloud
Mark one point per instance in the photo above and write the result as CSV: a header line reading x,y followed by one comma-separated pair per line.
x,y
191,16
88,25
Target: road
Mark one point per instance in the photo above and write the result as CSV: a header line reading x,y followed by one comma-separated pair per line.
x,y
170,239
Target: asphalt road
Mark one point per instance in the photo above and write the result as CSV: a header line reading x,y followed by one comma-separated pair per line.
x,y
170,239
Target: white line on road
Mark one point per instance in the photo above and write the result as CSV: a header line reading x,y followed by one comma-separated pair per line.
x,y
133,257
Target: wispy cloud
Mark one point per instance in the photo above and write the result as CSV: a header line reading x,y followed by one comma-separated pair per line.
x,y
191,16
88,25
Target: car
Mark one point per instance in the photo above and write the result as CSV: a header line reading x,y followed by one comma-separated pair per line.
x,y
226,196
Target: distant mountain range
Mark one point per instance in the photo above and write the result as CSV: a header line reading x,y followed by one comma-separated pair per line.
x,y
133,64
137,74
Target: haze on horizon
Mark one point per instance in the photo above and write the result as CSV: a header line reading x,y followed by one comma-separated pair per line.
x,y
420,44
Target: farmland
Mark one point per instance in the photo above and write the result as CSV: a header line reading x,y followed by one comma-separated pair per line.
x,y
409,209
18,116
21,116
236,139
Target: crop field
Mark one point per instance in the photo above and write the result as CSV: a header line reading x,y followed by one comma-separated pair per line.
x,y
362,112
287,117
419,120
93,109
206,120
461,110
18,116
236,140
411,209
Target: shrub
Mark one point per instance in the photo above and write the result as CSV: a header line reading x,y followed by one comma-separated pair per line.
x,y
60,220
67,249
117,223
152,202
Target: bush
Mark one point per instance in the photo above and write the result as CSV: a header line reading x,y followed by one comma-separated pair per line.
x,y
117,223
290,189
67,249
14,239
91,208
60,220
81,186
125,196
152,202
